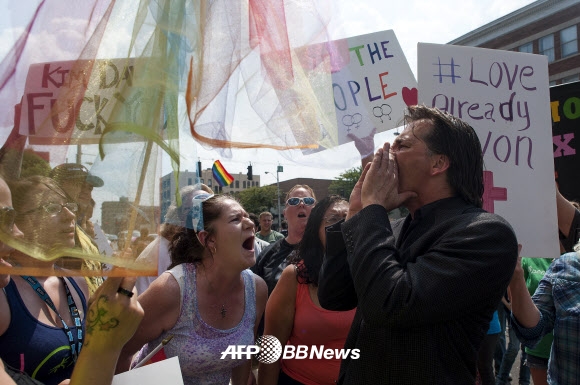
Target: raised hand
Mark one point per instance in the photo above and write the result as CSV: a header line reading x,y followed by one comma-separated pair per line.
x,y
355,203
381,185
113,316
364,145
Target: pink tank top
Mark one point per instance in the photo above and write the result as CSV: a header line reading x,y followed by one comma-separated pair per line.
x,y
315,326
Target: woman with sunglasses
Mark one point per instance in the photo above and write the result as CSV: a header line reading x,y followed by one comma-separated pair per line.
x,y
299,202
208,299
42,318
293,313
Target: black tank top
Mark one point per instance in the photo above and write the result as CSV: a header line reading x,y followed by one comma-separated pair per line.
x,y
39,350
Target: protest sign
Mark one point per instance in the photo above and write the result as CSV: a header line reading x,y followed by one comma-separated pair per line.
x,y
565,108
504,96
71,102
372,84
102,241
166,372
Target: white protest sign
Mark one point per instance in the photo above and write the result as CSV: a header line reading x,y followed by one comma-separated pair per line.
x,y
504,96
374,87
102,241
372,84
72,101
166,372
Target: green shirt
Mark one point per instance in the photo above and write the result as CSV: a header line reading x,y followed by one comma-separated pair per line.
x,y
534,270
270,238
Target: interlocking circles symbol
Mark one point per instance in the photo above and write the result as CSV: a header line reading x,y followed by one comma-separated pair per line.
x,y
382,110
351,120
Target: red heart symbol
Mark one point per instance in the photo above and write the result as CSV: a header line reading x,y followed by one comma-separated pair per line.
x,y
410,96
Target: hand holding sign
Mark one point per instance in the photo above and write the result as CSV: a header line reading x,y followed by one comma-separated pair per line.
x,y
364,145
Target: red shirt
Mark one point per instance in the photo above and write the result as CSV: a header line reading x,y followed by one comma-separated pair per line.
x,y
315,326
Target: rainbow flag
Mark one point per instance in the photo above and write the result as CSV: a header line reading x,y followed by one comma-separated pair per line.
x,y
222,177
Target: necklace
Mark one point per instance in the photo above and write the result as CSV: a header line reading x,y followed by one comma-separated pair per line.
x,y
75,346
223,310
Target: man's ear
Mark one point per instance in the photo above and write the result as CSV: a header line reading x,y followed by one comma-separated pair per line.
x,y
440,164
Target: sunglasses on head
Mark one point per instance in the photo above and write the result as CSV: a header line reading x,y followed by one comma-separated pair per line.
x,y
194,218
202,197
7,215
308,201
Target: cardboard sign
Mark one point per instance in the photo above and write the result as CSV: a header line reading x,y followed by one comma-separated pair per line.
x,y
166,372
372,84
102,241
565,108
71,102
504,96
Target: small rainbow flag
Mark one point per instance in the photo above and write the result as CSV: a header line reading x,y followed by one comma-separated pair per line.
x,y
222,177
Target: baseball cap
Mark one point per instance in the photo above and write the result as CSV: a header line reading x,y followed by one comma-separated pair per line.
x,y
68,171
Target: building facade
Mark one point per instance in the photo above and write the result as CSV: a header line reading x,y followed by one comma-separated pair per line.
x,y
187,178
115,216
545,27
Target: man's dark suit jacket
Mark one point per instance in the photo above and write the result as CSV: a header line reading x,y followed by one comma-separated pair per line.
x,y
425,290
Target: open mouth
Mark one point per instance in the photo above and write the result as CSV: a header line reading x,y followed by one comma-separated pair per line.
x,y
301,215
248,244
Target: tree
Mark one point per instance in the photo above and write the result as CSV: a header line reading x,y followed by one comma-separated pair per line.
x,y
345,182
258,199
33,164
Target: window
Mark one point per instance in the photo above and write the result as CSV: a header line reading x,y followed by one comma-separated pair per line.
x,y
237,184
257,184
244,184
201,181
209,182
528,48
189,181
546,45
569,41
570,79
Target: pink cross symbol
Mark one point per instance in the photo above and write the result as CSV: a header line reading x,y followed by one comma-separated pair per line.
x,y
491,193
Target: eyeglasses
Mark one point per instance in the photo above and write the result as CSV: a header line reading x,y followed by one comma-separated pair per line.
x,y
55,208
7,215
307,201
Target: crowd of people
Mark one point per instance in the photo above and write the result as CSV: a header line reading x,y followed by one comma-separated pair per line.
x,y
424,299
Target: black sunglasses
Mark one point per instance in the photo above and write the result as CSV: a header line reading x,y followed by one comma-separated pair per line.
x,y
7,215
308,201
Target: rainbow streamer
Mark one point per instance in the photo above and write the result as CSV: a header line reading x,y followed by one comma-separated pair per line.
x,y
222,177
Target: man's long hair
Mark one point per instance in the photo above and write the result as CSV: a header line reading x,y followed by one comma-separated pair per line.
x,y
458,141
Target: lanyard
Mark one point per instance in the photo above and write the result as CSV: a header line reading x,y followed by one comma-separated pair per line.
x,y
38,289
